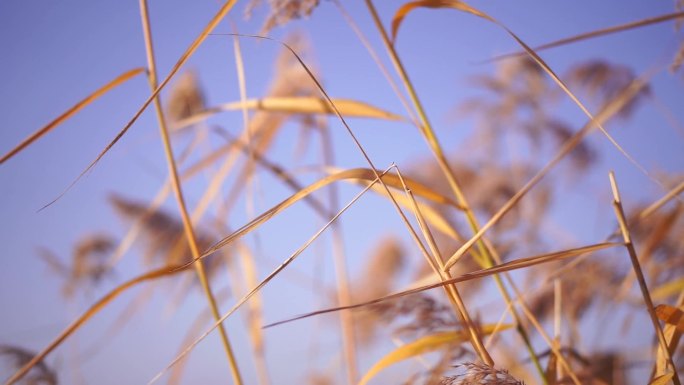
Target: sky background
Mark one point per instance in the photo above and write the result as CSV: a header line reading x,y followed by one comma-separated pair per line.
x,y
56,53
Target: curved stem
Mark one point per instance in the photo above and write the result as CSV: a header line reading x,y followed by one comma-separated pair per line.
x,y
485,258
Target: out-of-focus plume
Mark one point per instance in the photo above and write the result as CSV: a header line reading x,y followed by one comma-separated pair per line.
x,y
13,358
88,262
282,12
384,264
481,374
590,282
603,81
678,59
163,235
520,100
186,97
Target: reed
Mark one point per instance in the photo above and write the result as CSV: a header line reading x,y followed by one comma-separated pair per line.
x,y
450,264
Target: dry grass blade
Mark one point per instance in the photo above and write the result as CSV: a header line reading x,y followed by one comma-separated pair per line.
x,y
339,116
88,314
424,345
606,113
432,215
673,336
294,105
72,111
222,12
436,261
188,228
602,80
261,284
671,315
594,122
597,33
162,194
459,5
255,317
399,16
662,380
337,113
552,369
662,201
624,229
667,289
358,173
376,58
395,181
339,255
351,133
277,171
428,133
254,314
201,320
508,266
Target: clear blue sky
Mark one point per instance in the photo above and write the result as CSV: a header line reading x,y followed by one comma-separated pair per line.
x,y
55,53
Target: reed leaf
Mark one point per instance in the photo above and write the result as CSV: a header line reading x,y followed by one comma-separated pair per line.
x,y
124,77
671,315
295,105
424,345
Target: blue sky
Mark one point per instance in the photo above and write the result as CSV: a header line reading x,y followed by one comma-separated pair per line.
x,y
55,53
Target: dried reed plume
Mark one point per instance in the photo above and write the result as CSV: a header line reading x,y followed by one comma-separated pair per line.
x,y
88,262
186,98
319,379
520,99
282,12
678,59
480,374
164,238
385,262
591,282
599,368
17,357
603,81
661,243
289,79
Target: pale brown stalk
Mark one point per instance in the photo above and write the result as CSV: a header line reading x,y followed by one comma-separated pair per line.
x,y
263,283
341,271
636,266
376,59
176,185
608,111
426,129
517,264
596,33
254,314
563,363
437,264
213,23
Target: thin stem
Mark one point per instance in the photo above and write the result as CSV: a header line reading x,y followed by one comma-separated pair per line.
x,y
176,185
341,272
268,278
622,221
254,314
437,264
485,259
